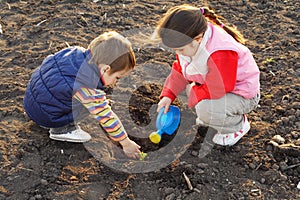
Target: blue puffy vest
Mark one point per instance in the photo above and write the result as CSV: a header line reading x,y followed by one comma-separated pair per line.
x,y
48,98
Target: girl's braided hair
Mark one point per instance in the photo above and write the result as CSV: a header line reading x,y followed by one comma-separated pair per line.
x,y
181,24
212,16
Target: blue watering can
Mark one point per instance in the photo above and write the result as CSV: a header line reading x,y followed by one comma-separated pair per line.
x,y
166,123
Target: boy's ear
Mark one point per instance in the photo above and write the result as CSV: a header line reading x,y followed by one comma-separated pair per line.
x,y
106,68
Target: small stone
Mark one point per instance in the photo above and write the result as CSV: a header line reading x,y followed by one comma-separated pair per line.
x,y
194,153
295,134
292,118
285,120
290,112
73,178
276,167
279,122
44,182
262,180
237,148
202,165
252,165
296,105
278,139
38,196
283,166
298,186
279,109
268,102
188,166
297,114
246,194
169,190
182,163
269,148
273,143
171,197
69,22
263,76
283,177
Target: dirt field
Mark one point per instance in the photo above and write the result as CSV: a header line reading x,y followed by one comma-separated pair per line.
x,y
35,167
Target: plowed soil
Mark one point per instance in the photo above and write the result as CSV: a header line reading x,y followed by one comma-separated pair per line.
x,y
34,167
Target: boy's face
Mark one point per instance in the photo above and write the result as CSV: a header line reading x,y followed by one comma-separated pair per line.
x,y
112,78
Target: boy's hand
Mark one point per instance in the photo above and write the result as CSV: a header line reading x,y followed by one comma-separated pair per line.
x,y
130,148
164,102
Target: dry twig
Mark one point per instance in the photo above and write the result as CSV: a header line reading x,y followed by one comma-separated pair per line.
x,y
8,5
38,24
188,181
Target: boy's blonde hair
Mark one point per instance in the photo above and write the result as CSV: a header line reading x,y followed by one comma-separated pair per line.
x,y
112,49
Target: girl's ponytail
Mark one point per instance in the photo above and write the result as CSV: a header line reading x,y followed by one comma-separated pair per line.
x,y
210,14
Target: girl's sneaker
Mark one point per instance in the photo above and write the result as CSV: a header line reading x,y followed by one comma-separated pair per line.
x,y
230,139
78,135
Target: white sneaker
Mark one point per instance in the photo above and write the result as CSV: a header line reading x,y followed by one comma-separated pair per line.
x,y
232,138
77,135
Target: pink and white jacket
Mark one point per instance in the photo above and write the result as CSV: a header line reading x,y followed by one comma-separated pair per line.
x,y
220,65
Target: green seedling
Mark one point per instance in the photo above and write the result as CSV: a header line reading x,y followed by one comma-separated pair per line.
x,y
268,96
143,155
269,60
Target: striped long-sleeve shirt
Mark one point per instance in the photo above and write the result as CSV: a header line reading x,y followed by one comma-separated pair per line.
x,y
97,104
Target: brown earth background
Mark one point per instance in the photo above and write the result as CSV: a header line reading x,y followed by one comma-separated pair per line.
x,y
35,167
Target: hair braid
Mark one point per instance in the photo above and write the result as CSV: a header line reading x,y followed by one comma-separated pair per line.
x,y
216,19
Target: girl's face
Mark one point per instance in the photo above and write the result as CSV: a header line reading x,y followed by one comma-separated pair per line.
x,y
189,49
112,78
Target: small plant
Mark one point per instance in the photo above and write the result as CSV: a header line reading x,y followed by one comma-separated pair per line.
x,y
269,60
143,155
268,96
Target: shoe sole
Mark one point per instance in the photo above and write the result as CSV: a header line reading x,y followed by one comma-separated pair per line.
x,y
242,135
238,138
67,139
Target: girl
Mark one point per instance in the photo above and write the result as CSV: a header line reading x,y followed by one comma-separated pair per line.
x,y
71,82
219,73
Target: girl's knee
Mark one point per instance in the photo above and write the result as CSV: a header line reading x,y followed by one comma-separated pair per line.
x,y
203,112
207,112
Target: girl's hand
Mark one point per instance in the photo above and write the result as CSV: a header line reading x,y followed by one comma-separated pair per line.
x,y
130,148
164,102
